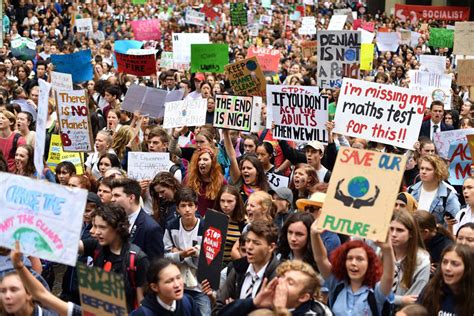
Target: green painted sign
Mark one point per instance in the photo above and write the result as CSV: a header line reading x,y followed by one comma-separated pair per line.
x,y
441,38
209,57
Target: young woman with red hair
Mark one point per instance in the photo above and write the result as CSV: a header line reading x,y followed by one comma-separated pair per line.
x,y
354,276
205,176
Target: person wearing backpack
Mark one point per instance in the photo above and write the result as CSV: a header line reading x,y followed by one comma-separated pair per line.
x,y
353,276
165,292
111,250
9,140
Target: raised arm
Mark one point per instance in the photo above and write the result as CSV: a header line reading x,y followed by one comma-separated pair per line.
x,y
319,251
229,148
386,281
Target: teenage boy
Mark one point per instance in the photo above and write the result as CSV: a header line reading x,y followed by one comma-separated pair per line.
x,y
249,273
182,241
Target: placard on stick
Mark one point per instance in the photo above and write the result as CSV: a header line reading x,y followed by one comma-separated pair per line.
x,y
246,78
138,65
212,248
362,192
145,165
465,72
237,112
185,113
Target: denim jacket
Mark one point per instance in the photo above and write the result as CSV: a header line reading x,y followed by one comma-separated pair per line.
x,y
444,193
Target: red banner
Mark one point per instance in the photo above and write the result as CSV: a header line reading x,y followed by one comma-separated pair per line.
x,y
268,58
415,12
209,12
138,65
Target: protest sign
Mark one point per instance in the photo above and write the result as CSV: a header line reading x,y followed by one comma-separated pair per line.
x,y
431,63
212,247
337,22
308,26
368,26
254,29
56,154
404,37
167,60
101,292
463,38
438,85
209,57
360,197
347,12
366,37
387,41
414,39
23,48
138,2
74,120
35,212
138,65
182,45
444,139
185,113
267,4
41,118
298,112
145,165
26,106
123,46
60,81
266,20
366,56
338,57
142,51
209,12
277,181
465,72
268,58
194,17
237,112
84,25
459,162
308,48
246,77
382,113
440,37
470,141
145,30
441,13
238,14
78,65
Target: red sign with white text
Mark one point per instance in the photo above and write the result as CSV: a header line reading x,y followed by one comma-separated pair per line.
x,y
417,12
138,65
268,58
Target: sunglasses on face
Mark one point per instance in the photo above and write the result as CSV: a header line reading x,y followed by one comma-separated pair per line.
x,y
311,208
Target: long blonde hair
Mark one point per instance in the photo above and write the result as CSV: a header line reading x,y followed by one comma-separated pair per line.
x,y
121,139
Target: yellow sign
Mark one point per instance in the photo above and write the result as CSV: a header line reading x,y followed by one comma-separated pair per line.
x,y
366,56
56,155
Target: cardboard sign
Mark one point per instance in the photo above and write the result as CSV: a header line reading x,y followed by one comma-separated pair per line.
x,y
194,17
212,248
182,45
387,41
209,57
337,22
465,72
277,181
431,63
41,119
56,155
298,112
246,78
308,26
74,120
470,141
35,212
237,112
84,25
146,30
60,81
238,14
415,12
338,57
23,48
78,65
459,162
138,65
444,139
382,113
185,113
268,58
366,56
440,37
362,192
102,293
463,38
308,48
145,165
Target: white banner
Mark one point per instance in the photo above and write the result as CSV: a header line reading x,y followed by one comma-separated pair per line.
x,y
61,81
145,165
185,113
182,45
84,25
41,118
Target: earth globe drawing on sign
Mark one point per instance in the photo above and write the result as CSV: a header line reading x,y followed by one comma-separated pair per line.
x,y
31,240
358,187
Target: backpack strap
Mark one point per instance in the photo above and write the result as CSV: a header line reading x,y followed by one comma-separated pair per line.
x,y
445,199
337,290
174,168
462,215
263,135
12,152
372,303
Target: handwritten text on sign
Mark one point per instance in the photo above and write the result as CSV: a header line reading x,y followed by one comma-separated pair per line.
x,y
239,113
145,165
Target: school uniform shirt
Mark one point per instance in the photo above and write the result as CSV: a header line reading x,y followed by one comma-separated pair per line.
x,y
249,275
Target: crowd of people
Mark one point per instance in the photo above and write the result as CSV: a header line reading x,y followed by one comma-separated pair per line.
x,y
276,260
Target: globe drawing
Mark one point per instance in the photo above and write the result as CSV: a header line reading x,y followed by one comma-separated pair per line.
x,y
358,187
31,240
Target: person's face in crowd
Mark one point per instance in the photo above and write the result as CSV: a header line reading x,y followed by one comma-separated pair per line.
x,y
249,173
295,282
297,237
170,286
112,120
427,172
187,210
34,95
90,207
164,193
155,144
300,179
21,158
227,203
281,204
427,149
255,209
63,176
206,90
263,114
22,122
185,87
211,79
54,50
103,232
400,205
452,269
249,146
90,86
13,296
29,63
211,105
122,199
197,83
201,141
258,250
104,165
8,64
40,71
204,164
437,113
216,88
170,82
465,109
465,123
313,156
468,191
399,234
101,143
4,122
105,193
466,237
399,72
357,264
295,69
22,74
448,119
74,182
263,156
380,69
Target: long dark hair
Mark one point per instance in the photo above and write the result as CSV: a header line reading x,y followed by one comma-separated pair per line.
x,y
30,165
261,181
153,272
238,214
160,207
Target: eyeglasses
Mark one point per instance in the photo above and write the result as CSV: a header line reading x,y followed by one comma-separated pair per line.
x,y
311,208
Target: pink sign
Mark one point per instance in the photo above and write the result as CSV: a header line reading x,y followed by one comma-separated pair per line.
x,y
145,30
268,58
